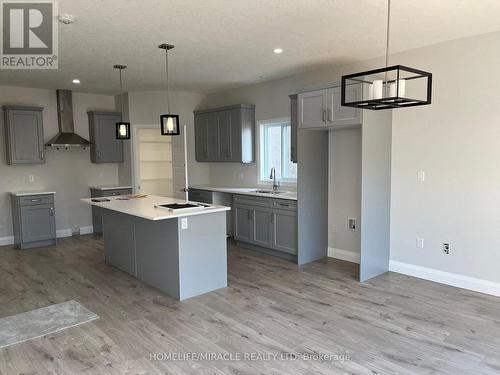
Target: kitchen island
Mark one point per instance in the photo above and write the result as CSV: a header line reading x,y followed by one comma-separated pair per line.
x,y
183,252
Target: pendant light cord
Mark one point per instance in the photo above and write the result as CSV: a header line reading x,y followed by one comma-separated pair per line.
x,y
387,45
387,36
121,95
166,69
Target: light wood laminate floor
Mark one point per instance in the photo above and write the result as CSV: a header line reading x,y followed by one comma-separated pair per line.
x,y
391,325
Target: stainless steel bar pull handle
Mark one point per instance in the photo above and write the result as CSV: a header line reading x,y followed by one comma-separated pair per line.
x,y
51,211
329,115
324,115
36,200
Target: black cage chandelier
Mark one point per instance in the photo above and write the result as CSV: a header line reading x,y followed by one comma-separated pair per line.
x,y
396,86
169,123
122,128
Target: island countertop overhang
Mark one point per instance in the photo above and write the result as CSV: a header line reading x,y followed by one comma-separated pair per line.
x,y
145,207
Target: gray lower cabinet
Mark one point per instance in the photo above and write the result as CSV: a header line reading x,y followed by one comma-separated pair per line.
x,y
262,220
104,147
225,134
243,230
33,219
267,223
24,135
96,211
215,197
284,223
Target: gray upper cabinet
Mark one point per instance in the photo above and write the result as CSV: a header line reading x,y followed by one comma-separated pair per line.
x,y
24,135
338,115
104,148
312,109
225,134
322,108
294,124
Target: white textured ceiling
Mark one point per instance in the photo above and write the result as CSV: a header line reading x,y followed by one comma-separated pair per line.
x,y
228,43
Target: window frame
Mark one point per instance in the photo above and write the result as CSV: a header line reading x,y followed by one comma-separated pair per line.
x,y
263,168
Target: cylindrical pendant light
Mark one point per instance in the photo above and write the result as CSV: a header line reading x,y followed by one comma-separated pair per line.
x,y
122,128
169,123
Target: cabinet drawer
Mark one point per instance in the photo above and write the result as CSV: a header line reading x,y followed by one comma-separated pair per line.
x,y
112,193
252,201
202,196
36,200
284,204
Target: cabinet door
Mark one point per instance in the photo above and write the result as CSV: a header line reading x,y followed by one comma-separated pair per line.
x,y
339,115
225,149
242,223
312,109
108,148
294,126
213,136
262,227
37,223
201,136
284,224
25,141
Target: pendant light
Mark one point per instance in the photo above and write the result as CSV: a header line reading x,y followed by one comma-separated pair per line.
x,y
122,128
396,86
169,123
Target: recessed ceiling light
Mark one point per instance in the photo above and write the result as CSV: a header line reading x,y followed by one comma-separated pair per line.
x,y
76,81
278,50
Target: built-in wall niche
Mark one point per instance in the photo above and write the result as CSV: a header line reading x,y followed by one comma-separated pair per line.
x,y
154,169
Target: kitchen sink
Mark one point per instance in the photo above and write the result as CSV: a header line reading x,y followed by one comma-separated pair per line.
x,y
271,192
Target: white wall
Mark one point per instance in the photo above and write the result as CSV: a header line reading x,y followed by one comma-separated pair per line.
x,y
145,108
69,173
456,141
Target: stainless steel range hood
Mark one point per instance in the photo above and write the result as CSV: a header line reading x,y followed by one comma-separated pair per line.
x,y
66,137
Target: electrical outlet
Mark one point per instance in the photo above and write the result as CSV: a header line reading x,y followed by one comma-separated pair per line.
x,y
184,223
446,248
31,178
420,242
351,224
335,228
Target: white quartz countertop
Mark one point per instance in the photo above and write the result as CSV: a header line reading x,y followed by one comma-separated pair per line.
x,y
110,187
145,207
291,195
31,192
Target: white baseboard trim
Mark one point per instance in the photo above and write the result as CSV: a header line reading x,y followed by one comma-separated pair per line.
x,y
448,278
61,233
347,255
87,230
5,241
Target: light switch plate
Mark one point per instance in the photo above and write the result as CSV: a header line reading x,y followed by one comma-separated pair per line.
x,y
420,242
421,176
184,223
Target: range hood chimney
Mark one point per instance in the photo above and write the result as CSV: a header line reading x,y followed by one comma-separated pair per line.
x,y
66,137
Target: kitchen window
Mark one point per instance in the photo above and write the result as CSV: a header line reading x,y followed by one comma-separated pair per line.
x,y
275,143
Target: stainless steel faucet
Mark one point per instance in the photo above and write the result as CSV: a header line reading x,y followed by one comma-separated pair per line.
x,y
276,184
